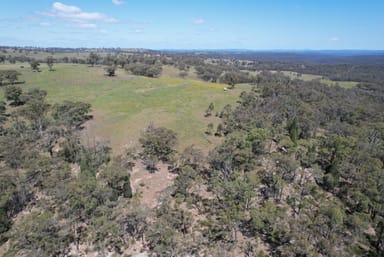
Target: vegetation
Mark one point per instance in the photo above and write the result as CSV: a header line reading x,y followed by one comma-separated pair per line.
x,y
305,166
292,168
93,58
111,70
34,65
146,70
50,62
157,144
9,77
37,152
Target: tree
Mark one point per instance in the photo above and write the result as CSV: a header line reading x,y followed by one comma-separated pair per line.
x,y
208,72
111,69
105,233
226,112
71,114
134,221
158,142
294,130
231,78
167,235
13,93
3,115
11,76
85,195
35,109
183,74
110,60
93,58
33,94
265,219
92,158
219,130
190,158
118,179
39,234
50,62
34,65
122,61
147,70
379,247
209,110
150,162
5,225
209,129
14,144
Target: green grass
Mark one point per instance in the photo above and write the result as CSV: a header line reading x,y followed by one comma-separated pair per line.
x,y
346,84
124,105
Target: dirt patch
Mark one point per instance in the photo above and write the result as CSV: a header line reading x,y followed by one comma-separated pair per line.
x,y
150,185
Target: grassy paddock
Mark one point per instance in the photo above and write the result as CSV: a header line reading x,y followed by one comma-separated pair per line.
x,y
124,105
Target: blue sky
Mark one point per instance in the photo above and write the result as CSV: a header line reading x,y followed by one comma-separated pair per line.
x,y
194,24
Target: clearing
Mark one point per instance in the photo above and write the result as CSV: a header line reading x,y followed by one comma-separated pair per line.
x,y
124,105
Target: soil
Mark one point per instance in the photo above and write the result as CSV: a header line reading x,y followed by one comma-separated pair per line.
x,y
150,185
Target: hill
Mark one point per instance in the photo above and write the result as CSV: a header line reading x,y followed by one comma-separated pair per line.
x,y
207,157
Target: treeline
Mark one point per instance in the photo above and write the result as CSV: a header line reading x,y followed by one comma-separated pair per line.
x,y
338,72
310,56
223,74
340,67
210,66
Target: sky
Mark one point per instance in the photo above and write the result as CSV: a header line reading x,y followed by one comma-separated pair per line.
x,y
195,24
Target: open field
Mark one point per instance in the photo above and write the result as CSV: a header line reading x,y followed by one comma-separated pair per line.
x,y
124,105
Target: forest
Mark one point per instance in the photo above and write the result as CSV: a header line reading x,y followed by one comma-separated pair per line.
x,y
296,167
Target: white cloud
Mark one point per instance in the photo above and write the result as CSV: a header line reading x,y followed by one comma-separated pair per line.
x,y
87,26
65,8
76,15
45,24
335,39
198,21
118,2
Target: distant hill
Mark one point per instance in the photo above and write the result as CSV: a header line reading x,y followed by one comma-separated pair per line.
x,y
306,56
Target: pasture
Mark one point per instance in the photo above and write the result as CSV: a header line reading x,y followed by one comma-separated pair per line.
x,y
124,105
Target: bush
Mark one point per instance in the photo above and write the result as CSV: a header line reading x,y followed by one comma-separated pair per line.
x,y
146,70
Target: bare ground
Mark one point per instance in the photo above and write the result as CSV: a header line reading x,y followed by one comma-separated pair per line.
x,y
150,185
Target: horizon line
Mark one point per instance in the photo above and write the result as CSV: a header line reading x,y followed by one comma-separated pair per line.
x,y
204,49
